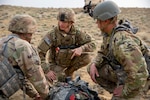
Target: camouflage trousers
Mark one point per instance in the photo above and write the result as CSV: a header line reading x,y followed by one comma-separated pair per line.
x,y
68,67
107,78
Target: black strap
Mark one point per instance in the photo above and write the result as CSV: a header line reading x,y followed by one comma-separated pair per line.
x,y
95,94
68,47
5,45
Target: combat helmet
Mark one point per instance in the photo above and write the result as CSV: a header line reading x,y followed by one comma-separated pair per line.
x,y
22,24
106,10
66,14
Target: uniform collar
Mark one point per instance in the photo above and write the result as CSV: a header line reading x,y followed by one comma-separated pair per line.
x,y
14,35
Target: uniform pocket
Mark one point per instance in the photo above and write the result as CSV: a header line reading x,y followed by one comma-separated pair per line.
x,y
63,57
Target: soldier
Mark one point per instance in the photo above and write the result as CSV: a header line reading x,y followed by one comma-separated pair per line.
x,y
119,66
93,2
67,46
24,56
90,5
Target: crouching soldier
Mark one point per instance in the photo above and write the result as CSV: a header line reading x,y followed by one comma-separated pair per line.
x,y
67,47
120,66
23,57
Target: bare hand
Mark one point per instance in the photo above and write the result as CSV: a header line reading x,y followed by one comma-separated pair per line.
x,y
38,97
76,52
51,76
93,72
118,91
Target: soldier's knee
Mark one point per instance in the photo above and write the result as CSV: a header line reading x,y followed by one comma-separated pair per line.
x,y
86,59
81,61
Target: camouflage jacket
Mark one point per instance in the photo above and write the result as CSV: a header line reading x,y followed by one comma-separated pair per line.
x,y
21,53
57,38
128,50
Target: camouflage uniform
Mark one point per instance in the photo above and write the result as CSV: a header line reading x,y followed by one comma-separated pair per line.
x,y
60,45
128,51
21,53
61,59
123,47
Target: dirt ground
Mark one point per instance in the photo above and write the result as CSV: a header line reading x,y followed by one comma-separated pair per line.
x,y
46,19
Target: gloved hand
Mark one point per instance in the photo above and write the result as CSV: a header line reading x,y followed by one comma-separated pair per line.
x,y
118,91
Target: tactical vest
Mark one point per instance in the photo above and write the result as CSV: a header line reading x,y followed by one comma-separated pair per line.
x,y
9,79
124,26
65,44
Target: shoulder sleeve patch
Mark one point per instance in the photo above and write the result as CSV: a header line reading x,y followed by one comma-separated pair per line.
x,y
47,40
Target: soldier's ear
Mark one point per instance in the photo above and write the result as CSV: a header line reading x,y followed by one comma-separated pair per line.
x,y
70,22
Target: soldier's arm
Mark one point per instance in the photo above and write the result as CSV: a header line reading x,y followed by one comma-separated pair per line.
x,y
97,60
43,47
129,55
30,89
86,41
29,61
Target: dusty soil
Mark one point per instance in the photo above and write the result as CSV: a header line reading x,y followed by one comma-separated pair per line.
x,y
46,18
